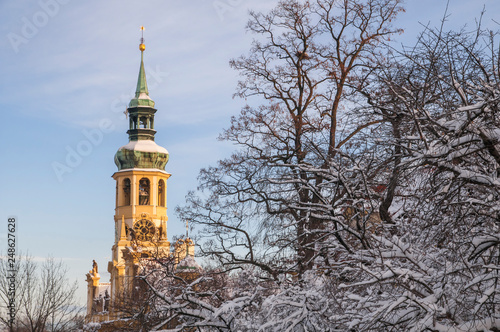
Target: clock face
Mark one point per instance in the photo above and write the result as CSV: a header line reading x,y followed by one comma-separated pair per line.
x,y
144,229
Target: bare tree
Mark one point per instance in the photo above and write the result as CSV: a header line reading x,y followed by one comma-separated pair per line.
x,y
140,307
168,295
436,267
45,300
278,202
23,266
412,137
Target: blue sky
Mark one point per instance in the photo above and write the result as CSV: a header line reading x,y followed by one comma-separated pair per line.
x,y
69,67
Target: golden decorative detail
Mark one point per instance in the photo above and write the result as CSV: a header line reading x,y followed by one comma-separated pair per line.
x,y
142,47
145,230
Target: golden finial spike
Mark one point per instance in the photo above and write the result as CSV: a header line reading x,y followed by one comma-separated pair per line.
x,y
142,47
187,228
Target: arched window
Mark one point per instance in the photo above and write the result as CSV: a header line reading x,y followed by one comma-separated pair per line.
x,y
144,191
161,193
126,192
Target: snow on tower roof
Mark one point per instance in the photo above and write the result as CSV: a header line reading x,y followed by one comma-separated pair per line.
x,y
188,264
144,146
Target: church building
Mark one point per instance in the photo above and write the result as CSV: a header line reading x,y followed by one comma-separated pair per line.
x,y
141,209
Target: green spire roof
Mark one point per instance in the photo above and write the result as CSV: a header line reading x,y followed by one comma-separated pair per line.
x,y
142,85
141,92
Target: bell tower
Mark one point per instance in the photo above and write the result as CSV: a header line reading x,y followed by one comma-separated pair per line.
x,y
141,193
140,237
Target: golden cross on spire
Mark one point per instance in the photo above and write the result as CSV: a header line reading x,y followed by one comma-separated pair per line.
x,y
142,47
